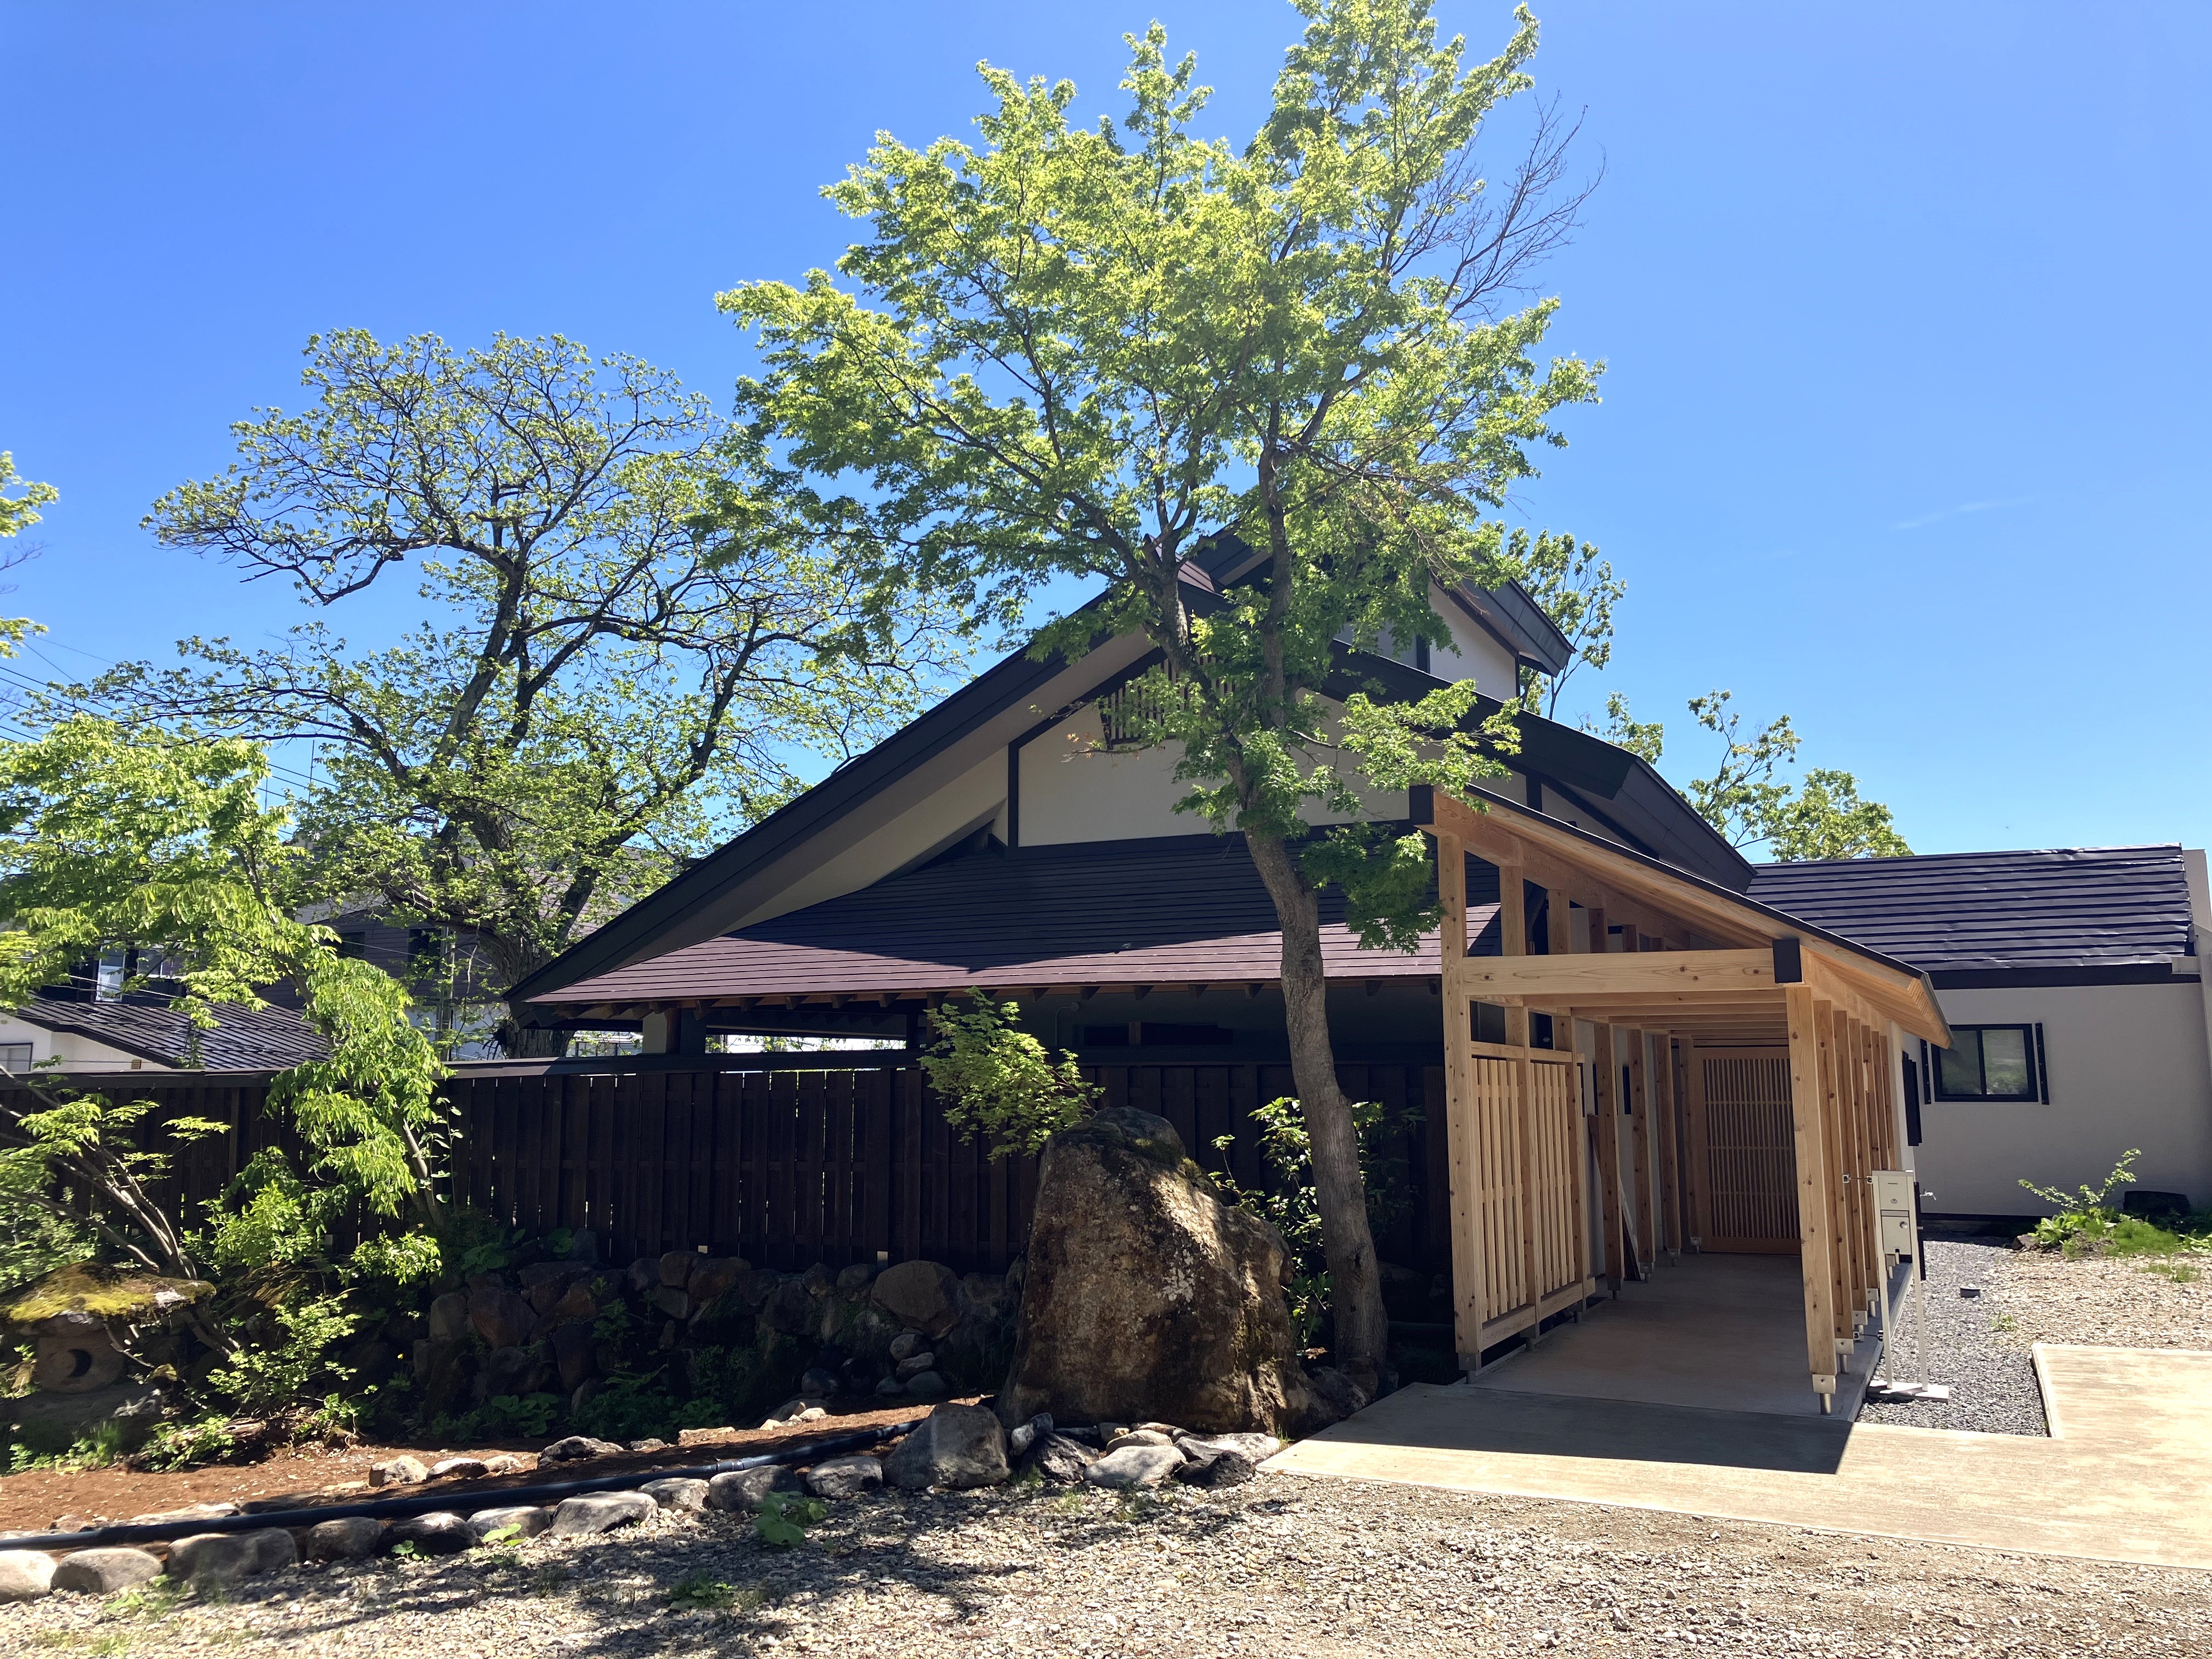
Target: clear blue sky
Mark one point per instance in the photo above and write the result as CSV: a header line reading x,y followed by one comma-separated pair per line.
x,y
1904,429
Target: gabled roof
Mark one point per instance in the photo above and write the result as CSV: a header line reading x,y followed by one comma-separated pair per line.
x,y
2057,910
1182,909
1606,782
247,1039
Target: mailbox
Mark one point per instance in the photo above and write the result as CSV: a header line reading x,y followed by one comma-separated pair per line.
x,y
1893,1206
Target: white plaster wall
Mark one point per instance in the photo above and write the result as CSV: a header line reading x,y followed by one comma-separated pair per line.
x,y
72,1049
2128,1068
1474,654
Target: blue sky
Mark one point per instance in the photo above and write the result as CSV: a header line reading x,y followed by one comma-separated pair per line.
x,y
1903,429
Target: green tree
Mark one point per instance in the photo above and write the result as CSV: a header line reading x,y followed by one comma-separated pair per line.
x,y
1577,590
1091,353
1747,799
113,839
998,1081
602,691
18,513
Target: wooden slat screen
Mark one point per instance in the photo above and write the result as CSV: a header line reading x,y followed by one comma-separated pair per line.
x,y
1750,1199
789,1168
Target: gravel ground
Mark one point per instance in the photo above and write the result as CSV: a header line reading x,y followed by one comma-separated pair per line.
x,y
1970,1346
1287,1566
1980,1345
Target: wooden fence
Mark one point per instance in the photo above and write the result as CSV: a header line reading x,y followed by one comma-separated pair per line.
x,y
790,1167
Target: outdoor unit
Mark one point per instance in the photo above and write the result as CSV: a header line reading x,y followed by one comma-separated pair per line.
x,y
1892,1203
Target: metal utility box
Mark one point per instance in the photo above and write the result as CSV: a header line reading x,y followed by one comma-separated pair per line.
x,y
1892,1203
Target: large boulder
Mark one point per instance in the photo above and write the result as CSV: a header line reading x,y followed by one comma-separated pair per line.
x,y
923,1295
1146,1297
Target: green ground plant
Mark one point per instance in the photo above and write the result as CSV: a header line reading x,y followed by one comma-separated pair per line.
x,y
2089,1224
784,1516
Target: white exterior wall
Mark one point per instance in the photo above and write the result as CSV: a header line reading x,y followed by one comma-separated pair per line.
x,y
1474,653
80,1052
2129,1067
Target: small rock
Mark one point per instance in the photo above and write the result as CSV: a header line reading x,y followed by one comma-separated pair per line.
x,y
349,1538
906,1342
647,1445
856,1277
103,1572
398,1472
915,1364
957,1446
528,1520
791,1410
1106,1431
1139,1437
706,1437
1134,1466
1213,1466
441,1533
1257,1447
844,1477
601,1511
677,1493
928,1385
25,1575
221,1557
817,1384
459,1469
1339,1392
77,1522
745,1489
1059,1458
1019,1439
505,1463
576,1447
190,1512
1170,1430
890,1386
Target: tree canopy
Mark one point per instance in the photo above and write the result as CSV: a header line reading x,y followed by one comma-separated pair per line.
x,y
1096,352
601,688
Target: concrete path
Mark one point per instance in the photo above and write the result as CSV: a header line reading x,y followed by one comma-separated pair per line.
x,y
2127,1475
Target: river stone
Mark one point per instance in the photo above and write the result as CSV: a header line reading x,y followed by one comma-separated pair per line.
x,y
576,1447
459,1469
677,1493
1140,1438
953,1446
25,1575
844,1477
225,1556
1148,1298
906,1342
505,1463
528,1520
1257,1447
747,1489
103,1572
402,1471
1213,1466
928,1385
501,1316
349,1538
441,1533
924,1295
1058,1458
601,1511
1134,1466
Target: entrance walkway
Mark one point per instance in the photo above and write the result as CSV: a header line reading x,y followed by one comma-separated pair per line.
x,y
1724,1333
2126,1477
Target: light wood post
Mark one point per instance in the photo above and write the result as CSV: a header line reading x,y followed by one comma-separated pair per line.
x,y
1468,1309
1513,941
1835,1055
1697,1179
1606,1128
1669,1128
1639,1121
1815,1219
1559,931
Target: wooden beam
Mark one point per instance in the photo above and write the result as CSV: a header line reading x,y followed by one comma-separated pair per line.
x,y
1639,1126
1513,940
1839,1257
1466,1262
1667,1122
1580,976
1698,1178
1815,1234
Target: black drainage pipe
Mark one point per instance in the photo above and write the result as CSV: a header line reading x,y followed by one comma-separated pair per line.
x,y
140,1532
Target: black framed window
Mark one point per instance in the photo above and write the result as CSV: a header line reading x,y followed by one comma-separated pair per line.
x,y
1992,1062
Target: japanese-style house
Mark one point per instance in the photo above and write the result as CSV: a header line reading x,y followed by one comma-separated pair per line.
x,y
1728,1077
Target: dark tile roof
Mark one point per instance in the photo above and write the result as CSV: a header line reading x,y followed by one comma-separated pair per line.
x,y
247,1040
1188,909
1951,912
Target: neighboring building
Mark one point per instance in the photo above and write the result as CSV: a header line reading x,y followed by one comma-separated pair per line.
x,y
2073,981
142,1032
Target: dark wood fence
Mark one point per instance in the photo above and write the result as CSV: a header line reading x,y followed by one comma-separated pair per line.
x,y
789,1167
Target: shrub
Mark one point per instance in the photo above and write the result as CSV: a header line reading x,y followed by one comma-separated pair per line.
x,y
185,1445
998,1081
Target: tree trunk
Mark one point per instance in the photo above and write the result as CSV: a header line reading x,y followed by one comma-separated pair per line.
x,y
1362,1325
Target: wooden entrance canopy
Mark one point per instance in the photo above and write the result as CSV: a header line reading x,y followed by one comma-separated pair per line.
x,y
1693,966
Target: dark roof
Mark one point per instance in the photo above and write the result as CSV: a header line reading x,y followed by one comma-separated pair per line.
x,y
1953,912
1610,783
1179,909
247,1039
